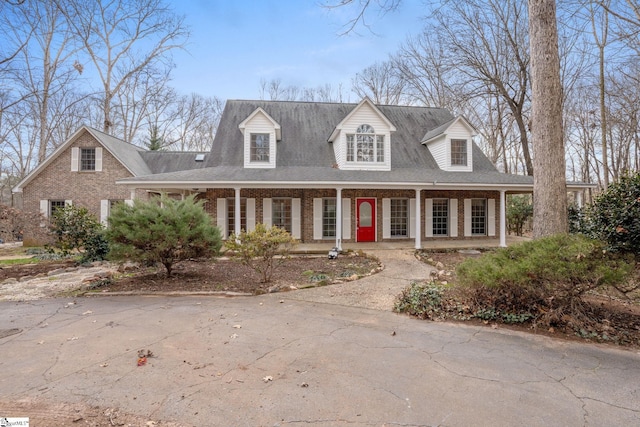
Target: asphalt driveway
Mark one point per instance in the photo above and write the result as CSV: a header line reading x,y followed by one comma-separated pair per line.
x,y
276,361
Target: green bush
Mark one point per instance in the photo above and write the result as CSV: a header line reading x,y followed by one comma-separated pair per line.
x,y
423,300
615,215
543,278
519,212
162,230
262,249
77,230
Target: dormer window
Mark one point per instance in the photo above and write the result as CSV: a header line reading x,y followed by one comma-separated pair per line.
x,y
259,147
261,132
365,146
458,152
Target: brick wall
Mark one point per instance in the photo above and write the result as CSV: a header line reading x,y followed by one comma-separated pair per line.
x,y
85,188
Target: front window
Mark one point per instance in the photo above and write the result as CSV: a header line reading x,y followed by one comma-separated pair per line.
x,y
281,214
55,205
259,147
440,217
479,217
328,218
87,159
365,146
231,215
458,152
399,217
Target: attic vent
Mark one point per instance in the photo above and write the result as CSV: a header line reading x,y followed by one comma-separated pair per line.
x,y
199,157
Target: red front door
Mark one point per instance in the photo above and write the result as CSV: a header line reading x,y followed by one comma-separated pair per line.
x,y
366,220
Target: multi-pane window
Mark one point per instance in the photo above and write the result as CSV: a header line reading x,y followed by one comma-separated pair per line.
x,y
459,152
399,217
54,205
281,213
365,146
87,159
231,215
479,216
259,147
329,218
440,217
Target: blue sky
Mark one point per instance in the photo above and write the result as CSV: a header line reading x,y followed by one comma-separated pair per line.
x,y
236,43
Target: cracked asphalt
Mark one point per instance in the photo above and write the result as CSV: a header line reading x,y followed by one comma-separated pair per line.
x,y
277,360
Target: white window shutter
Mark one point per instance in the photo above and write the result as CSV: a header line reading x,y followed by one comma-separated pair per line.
x,y
296,230
68,202
44,208
386,218
317,218
221,217
428,218
346,219
453,217
412,218
128,202
98,159
104,211
267,208
75,158
491,217
251,214
467,217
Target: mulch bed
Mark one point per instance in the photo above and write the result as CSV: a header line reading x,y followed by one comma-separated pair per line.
x,y
225,275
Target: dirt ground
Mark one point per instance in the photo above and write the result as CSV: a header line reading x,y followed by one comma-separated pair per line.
x,y
222,275
49,414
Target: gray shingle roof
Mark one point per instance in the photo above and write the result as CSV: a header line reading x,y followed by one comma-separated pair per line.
x,y
128,154
304,154
172,161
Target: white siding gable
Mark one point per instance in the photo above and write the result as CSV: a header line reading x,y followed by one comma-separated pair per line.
x,y
364,113
440,146
259,122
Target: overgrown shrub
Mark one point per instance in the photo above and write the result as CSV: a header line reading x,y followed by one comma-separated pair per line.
x,y
543,279
262,249
519,213
423,300
78,230
615,215
162,230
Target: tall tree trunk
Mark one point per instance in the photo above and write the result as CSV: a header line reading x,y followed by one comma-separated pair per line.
x,y
603,120
549,179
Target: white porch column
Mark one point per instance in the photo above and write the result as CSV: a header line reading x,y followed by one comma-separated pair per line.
x,y
503,219
236,217
133,194
339,218
418,221
579,199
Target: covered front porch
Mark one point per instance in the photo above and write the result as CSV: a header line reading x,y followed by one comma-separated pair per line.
x,y
323,248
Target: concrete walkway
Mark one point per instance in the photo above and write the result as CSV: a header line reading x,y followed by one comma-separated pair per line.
x,y
379,291
308,357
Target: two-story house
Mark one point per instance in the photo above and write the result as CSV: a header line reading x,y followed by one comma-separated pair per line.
x,y
326,172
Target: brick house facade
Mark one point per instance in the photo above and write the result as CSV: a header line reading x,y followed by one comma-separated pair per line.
x,y
327,172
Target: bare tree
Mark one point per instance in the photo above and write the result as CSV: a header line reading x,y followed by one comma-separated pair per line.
x,y
381,82
549,180
46,69
122,38
599,18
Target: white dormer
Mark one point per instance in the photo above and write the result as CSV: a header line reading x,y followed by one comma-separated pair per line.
x,y
362,140
451,145
260,132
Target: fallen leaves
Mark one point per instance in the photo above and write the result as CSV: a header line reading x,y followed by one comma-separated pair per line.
x,y
142,357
